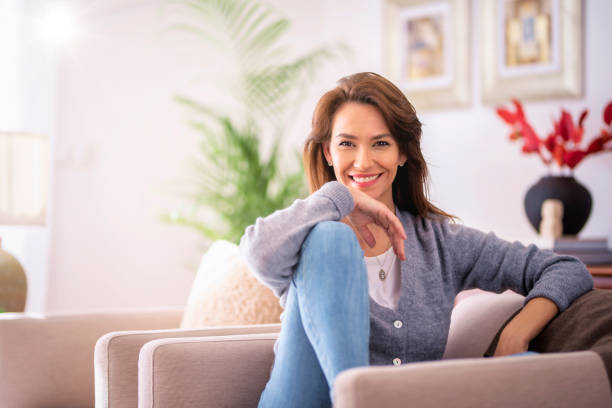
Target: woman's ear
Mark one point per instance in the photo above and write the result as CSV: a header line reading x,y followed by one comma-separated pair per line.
x,y
326,152
402,159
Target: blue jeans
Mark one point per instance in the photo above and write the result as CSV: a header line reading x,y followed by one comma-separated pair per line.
x,y
326,324
524,353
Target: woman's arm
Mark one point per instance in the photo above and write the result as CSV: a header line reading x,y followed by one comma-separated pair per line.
x,y
487,262
525,326
272,245
549,281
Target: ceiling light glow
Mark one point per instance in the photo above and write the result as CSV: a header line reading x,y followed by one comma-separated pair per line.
x,y
58,25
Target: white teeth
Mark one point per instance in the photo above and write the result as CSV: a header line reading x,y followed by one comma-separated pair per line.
x,y
364,179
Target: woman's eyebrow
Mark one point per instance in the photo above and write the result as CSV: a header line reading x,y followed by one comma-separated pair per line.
x,y
381,136
351,137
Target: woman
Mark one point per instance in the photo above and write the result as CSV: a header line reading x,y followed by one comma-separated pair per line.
x,y
367,268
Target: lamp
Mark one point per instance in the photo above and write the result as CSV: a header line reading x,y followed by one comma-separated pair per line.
x,y
24,164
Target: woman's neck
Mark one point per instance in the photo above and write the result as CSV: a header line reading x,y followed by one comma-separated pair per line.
x,y
388,201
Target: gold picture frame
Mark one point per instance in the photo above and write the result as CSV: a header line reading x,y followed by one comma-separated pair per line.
x,y
427,51
531,49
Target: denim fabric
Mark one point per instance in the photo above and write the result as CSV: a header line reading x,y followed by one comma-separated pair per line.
x,y
326,324
524,353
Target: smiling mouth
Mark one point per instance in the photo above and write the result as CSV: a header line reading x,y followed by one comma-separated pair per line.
x,y
365,179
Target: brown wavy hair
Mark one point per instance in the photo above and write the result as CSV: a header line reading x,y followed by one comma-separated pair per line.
x,y
410,187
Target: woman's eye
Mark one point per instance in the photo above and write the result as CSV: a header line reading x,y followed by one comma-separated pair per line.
x,y
345,143
381,143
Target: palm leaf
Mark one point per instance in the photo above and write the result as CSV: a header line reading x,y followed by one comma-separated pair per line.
x,y
233,177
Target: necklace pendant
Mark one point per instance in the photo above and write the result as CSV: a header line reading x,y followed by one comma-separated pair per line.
x,y
382,275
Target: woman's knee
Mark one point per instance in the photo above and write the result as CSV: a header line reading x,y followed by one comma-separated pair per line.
x,y
331,237
331,247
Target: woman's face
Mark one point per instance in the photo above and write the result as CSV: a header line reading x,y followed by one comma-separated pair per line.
x,y
363,152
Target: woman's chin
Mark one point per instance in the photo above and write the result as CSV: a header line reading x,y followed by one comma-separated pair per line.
x,y
372,190
374,193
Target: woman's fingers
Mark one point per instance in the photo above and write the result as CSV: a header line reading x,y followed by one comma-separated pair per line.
x,y
396,225
397,235
367,235
397,240
398,248
368,210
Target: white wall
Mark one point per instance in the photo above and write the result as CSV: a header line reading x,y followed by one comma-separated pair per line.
x,y
115,108
27,103
122,145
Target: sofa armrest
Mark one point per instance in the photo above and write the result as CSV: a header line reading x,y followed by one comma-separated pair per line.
x,y
225,371
46,360
116,359
475,321
560,380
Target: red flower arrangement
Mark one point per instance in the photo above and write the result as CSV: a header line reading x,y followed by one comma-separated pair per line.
x,y
563,143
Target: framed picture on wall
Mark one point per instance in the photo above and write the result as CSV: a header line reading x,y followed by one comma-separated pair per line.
x,y
427,51
531,49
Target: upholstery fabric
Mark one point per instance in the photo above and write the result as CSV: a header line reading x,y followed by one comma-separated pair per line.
x,y
565,380
230,371
46,361
483,314
116,359
224,292
572,379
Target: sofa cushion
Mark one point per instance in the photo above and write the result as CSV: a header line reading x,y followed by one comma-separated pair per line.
x,y
557,380
213,371
224,292
475,320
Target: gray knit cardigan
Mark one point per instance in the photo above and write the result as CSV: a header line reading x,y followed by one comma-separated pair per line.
x,y
442,259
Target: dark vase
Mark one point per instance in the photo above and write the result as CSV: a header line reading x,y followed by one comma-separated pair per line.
x,y
575,197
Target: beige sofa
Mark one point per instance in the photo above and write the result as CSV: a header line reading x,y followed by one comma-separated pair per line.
x,y
47,362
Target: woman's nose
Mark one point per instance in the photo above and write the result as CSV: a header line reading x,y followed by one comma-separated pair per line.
x,y
363,159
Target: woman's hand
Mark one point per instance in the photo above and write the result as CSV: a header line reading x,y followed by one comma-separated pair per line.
x,y
371,211
511,341
525,326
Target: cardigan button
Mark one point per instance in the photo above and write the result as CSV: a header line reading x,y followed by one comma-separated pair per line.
x,y
397,361
397,324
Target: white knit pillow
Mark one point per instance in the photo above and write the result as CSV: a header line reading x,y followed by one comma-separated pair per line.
x,y
224,292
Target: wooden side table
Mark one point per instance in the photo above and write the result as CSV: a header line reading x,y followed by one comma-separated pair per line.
x,y
602,276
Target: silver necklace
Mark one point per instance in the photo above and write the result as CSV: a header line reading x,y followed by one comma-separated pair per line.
x,y
382,275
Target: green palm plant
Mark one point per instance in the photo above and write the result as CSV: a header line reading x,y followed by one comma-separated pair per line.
x,y
233,179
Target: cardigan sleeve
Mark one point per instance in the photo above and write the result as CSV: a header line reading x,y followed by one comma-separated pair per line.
x,y
272,245
487,262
